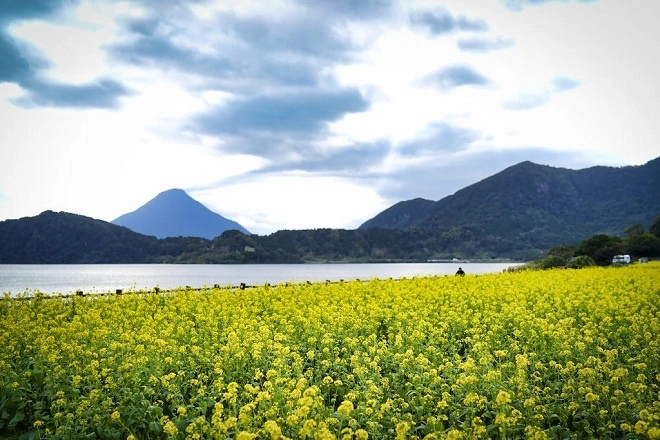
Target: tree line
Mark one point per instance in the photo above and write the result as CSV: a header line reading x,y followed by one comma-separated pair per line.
x,y
637,241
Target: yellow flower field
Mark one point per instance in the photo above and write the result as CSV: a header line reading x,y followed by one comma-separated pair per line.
x,y
535,354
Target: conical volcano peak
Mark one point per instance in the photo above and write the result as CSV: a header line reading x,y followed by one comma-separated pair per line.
x,y
173,213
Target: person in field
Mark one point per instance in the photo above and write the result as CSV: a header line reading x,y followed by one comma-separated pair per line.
x,y
460,272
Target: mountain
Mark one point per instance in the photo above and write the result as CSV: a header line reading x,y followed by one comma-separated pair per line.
x,y
65,238
174,213
401,215
515,214
540,206
53,237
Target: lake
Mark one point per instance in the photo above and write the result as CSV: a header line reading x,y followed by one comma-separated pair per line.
x,y
100,278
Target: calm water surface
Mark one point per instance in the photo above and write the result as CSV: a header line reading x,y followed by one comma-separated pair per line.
x,y
68,278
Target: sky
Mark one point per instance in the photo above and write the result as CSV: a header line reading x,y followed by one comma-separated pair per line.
x,y
302,114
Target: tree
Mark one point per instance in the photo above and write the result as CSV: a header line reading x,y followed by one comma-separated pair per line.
x,y
644,245
655,227
601,248
551,261
564,251
580,261
634,231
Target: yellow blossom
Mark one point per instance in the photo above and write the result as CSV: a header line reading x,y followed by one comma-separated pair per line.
x,y
503,398
170,429
345,408
401,429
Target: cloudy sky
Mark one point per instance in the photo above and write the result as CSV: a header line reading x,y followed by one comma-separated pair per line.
x,y
292,114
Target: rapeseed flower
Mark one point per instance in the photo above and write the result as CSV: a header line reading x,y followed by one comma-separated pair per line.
x,y
352,359
170,429
503,398
345,408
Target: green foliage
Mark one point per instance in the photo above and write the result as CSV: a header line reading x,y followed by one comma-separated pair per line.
x,y
535,207
643,245
655,227
550,262
69,238
634,231
515,214
534,354
565,251
401,215
580,261
601,248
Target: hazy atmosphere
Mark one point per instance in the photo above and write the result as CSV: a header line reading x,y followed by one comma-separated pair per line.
x,y
311,114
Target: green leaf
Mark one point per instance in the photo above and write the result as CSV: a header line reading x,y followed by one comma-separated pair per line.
x,y
154,427
30,435
18,418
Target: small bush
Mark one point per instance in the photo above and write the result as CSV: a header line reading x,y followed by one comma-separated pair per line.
x,y
551,261
580,261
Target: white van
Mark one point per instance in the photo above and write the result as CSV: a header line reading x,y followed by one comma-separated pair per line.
x,y
621,259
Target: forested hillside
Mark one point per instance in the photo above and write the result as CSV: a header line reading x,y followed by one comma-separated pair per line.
x,y
538,206
60,237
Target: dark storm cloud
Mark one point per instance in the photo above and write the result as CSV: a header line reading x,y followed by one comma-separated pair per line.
x,y
483,44
441,137
104,93
294,112
441,21
455,76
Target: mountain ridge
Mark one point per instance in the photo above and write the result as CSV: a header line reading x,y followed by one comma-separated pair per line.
x,y
514,215
551,204
61,237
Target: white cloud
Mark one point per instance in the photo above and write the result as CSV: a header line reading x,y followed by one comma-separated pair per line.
x,y
398,102
293,201
74,52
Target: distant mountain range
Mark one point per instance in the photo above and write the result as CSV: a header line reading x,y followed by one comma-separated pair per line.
x,y
515,214
538,205
174,213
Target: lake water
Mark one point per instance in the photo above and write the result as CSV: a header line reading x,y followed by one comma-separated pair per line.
x,y
100,278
